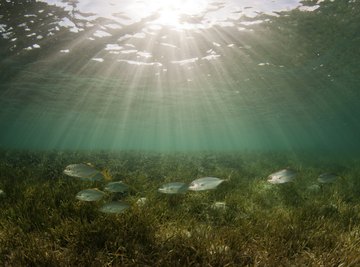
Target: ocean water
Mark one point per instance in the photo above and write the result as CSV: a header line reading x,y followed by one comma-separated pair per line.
x,y
159,92
180,75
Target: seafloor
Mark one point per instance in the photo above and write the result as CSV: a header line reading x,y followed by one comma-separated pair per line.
x,y
301,223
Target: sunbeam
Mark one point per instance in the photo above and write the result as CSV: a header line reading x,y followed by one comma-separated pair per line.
x,y
167,75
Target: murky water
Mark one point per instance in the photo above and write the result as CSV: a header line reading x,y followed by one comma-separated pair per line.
x,y
180,75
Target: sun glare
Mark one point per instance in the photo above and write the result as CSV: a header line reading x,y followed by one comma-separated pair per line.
x,y
171,11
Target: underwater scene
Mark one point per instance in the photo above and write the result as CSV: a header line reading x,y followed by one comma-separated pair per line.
x,y
179,133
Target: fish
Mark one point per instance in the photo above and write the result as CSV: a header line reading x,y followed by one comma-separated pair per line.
x,y
173,188
116,187
114,207
2,193
93,194
326,178
205,183
282,176
83,171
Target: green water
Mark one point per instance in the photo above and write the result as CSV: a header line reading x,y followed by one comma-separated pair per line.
x,y
222,76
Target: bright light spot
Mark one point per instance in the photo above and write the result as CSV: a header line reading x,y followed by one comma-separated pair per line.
x,y
113,47
210,57
169,45
185,61
171,12
101,34
129,51
144,54
140,63
98,59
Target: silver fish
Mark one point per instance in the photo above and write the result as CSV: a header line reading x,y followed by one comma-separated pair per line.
x,y
283,176
326,178
84,172
2,193
114,207
205,183
116,187
93,194
173,188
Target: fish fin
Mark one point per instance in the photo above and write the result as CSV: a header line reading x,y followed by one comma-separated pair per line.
x,y
107,175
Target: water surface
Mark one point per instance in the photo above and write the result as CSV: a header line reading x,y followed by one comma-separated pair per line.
x,y
180,75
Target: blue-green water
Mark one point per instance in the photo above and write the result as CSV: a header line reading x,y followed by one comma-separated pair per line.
x,y
180,76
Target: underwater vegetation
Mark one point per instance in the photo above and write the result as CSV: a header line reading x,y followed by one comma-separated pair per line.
x,y
244,220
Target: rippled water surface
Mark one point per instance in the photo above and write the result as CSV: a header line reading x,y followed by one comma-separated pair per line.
x,y
180,75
